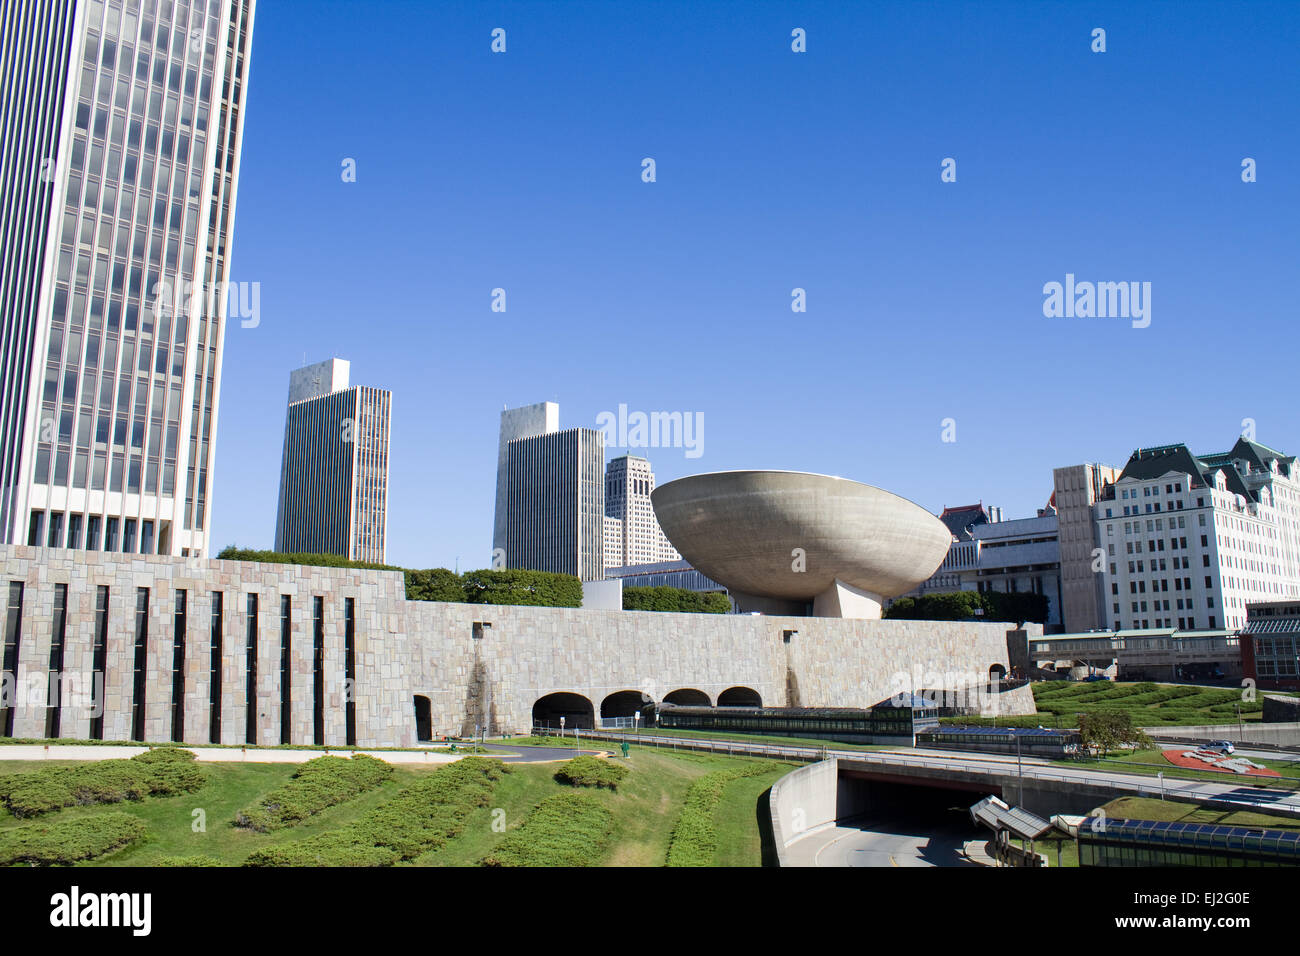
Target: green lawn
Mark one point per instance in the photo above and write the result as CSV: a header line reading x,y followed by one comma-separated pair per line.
x,y
645,808
1151,762
1059,704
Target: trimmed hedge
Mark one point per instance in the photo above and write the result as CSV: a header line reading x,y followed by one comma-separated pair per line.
x,y
71,841
535,588
675,599
422,817
317,785
569,829
162,772
1017,606
514,586
589,771
694,840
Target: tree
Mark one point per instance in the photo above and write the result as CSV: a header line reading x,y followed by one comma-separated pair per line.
x,y
1111,729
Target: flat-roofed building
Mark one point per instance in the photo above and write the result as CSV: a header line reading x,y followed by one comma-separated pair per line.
x,y
334,472
555,497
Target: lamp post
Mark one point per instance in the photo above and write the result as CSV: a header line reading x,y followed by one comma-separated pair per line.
x,y
1020,769
636,723
561,729
1160,775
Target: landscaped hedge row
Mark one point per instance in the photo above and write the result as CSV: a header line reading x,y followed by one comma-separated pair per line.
x,y
422,817
316,785
506,586
588,771
1016,606
569,829
162,772
694,840
71,841
675,599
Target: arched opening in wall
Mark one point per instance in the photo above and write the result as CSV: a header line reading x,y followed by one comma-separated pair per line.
x,y
617,709
688,697
576,710
997,673
740,697
423,718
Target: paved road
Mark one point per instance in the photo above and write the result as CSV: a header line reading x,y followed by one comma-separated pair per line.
x,y
884,843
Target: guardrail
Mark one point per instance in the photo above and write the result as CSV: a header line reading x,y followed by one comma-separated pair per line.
x,y
1192,791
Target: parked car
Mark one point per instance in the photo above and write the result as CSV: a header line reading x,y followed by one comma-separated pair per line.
x,y
1094,677
1220,746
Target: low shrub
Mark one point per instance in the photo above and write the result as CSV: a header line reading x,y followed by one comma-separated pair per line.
x,y
589,771
187,861
317,785
71,841
569,829
164,772
422,817
694,840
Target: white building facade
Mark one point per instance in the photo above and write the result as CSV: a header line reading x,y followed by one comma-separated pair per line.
x,y
122,133
1190,540
632,532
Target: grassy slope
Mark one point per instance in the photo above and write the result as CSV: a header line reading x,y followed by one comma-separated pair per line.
x,y
230,787
645,808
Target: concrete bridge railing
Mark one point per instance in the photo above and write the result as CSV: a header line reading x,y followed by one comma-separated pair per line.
x,y
802,801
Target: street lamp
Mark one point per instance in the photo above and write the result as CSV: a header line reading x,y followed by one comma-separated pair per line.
x,y
636,722
561,729
1160,775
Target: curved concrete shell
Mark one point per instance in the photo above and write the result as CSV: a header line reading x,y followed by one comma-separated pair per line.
x,y
790,536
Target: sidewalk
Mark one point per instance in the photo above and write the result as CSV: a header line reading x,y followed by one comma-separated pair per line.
x,y
215,754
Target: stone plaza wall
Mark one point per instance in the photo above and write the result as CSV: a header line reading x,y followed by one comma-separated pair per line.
x,y
486,676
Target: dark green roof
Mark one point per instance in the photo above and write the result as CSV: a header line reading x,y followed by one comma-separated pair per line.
x,y
1146,464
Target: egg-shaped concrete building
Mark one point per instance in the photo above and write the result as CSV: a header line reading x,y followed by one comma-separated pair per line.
x,y
781,541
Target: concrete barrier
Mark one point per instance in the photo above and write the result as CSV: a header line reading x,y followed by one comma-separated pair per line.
x,y
802,801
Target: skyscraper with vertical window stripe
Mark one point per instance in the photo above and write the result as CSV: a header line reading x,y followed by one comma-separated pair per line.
x,y
334,475
121,125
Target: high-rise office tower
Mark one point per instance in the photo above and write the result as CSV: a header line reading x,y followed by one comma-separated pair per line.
x,y
632,532
540,419
555,503
121,130
1076,489
334,473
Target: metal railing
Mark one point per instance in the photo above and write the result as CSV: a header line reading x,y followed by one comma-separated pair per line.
x,y
1187,790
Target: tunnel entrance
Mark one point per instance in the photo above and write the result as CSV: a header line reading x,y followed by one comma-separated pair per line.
x,y
906,823
740,697
423,718
617,709
688,697
576,710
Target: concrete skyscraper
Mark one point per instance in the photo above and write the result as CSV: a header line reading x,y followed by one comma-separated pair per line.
x,y
1076,489
632,533
334,472
550,495
526,422
122,126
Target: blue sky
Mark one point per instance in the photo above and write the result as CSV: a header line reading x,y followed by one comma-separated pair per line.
x,y
775,170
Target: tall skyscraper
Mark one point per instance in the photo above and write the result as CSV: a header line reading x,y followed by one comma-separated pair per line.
x,y
1076,489
526,422
334,472
121,129
555,503
632,532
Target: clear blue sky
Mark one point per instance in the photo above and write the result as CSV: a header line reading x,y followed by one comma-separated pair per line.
x,y
775,170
